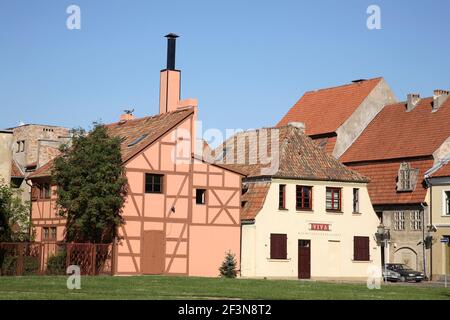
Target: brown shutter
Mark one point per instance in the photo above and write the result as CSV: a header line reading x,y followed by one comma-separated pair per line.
x,y
361,250
278,246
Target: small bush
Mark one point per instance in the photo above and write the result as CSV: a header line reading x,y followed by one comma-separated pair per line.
x,y
8,266
56,264
30,265
228,267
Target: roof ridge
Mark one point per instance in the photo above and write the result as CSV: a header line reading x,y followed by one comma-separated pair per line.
x,y
344,85
404,102
150,117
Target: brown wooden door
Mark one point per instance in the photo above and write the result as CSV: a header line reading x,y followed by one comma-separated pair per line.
x,y
153,252
304,259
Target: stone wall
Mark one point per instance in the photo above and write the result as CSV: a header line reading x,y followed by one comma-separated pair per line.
x,y
6,138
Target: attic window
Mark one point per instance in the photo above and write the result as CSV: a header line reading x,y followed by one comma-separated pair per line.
x,y
407,177
135,142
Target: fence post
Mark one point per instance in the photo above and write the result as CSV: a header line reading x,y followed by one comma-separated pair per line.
x,y
68,253
113,257
19,265
94,259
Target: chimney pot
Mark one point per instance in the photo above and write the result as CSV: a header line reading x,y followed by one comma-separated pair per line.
x,y
412,101
169,83
171,48
126,116
439,97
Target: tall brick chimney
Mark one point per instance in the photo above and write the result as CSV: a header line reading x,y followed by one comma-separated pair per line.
x,y
439,97
170,79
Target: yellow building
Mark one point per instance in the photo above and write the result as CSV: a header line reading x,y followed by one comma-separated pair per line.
x,y
438,179
309,218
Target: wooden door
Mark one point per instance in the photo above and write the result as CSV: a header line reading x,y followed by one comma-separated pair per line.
x,y
153,252
304,259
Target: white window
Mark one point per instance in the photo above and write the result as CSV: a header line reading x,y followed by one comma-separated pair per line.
x,y
407,177
416,220
446,210
399,220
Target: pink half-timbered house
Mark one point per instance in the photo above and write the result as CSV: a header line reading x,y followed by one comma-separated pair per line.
x,y
181,213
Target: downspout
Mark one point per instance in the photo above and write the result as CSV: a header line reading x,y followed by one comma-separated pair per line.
x,y
431,223
424,248
430,185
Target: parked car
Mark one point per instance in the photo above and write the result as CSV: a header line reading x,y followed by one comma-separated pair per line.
x,y
401,272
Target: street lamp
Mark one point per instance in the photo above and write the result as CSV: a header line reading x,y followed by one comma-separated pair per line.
x,y
383,237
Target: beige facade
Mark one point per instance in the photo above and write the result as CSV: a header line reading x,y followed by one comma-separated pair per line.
x,y
440,220
331,247
6,138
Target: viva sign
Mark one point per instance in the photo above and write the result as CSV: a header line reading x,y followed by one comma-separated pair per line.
x,y
319,227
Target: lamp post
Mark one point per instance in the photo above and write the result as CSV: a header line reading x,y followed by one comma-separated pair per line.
x,y
383,236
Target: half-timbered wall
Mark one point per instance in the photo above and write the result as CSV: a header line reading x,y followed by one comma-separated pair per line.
x,y
44,213
196,236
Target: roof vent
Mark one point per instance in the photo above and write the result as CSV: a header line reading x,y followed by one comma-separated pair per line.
x,y
412,101
359,80
135,142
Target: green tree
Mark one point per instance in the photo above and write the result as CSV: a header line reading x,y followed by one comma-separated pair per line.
x,y
91,186
228,267
14,215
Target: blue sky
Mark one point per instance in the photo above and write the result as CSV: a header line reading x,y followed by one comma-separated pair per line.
x,y
247,62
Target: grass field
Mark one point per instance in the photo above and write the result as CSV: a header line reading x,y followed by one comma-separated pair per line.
x,y
156,287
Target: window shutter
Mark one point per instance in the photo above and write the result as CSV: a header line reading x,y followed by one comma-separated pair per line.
x,y
361,248
278,246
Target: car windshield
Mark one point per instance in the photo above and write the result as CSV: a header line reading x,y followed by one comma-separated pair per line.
x,y
400,267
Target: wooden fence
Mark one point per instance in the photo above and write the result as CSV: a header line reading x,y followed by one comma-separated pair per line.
x,y
53,258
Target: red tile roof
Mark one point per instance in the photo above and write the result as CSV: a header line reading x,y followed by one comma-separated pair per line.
x,y
327,144
150,128
298,155
254,199
395,133
324,111
15,170
44,171
136,134
383,185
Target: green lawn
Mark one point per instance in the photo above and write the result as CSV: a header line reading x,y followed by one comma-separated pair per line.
x,y
156,287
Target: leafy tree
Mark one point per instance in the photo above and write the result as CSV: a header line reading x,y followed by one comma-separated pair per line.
x,y
14,220
91,186
14,215
228,267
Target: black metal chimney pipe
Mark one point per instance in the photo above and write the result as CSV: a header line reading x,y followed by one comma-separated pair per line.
x,y
171,44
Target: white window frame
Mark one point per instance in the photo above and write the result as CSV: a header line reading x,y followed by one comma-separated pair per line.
x,y
399,220
415,220
445,206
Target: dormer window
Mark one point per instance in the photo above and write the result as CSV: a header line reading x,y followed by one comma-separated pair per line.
x,y
407,177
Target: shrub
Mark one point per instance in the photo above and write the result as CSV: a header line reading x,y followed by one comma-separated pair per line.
x,y
56,264
30,265
228,267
